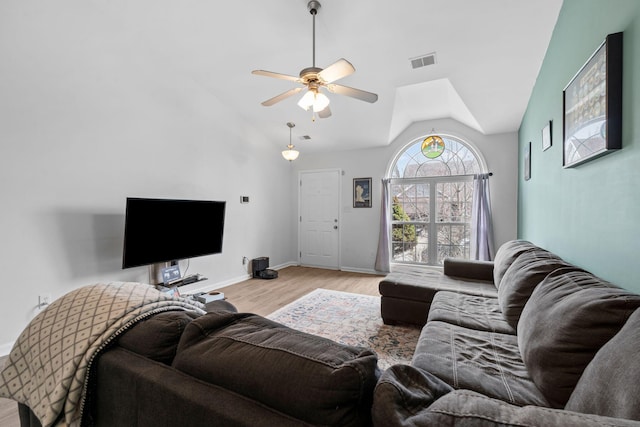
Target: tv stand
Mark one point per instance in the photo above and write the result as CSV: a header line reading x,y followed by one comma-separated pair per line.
x,y
184,287
188,280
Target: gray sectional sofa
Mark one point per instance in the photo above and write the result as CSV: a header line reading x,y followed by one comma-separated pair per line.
x,y
526,340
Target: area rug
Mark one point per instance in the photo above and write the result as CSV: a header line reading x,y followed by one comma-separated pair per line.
x,y
350,319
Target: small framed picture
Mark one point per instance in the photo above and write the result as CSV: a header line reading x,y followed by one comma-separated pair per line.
x,y
546,136
527,161
361,192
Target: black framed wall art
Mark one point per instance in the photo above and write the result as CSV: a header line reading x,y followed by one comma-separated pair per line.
x,y
592,105
527,161
361,192
546,136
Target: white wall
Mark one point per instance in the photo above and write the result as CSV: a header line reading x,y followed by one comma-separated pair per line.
x,y
84,123
360,226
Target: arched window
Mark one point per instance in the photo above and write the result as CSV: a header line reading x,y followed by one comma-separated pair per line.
x,y
431,190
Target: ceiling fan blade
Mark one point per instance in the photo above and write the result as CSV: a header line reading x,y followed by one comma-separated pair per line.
x,y
339,69
284,95
276,75
325,113
354,93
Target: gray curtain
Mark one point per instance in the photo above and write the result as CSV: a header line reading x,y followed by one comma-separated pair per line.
x,y
481,221
382,257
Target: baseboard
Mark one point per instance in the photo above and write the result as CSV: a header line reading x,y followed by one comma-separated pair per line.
x,y
244,277
285,265
360,270
5,349
342,268
230,282
206,285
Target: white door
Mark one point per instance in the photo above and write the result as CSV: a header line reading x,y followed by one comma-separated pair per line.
x,y
319,230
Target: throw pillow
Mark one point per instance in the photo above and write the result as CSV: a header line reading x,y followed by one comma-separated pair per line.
x,y
505,256
157,337
609,385
568,318
521,278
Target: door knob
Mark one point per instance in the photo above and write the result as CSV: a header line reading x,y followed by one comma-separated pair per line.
x,y
335,227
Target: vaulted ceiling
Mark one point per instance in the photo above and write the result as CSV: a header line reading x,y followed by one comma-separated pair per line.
x,y
488,54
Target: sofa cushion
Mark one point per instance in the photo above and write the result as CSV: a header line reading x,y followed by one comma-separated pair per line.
x,y
469,311
407,293
157,337
568,318
407,397
421,284
468,269
308,377
482,361
609,385
521,278
507,253
404,391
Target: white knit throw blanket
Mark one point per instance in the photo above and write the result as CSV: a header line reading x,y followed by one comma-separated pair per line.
x,y
49,364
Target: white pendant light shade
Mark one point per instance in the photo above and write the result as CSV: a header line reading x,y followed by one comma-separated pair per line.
x,y
290,154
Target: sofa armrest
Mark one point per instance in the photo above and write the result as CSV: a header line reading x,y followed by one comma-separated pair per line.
x,y
132,390
469,269
308,377
407,396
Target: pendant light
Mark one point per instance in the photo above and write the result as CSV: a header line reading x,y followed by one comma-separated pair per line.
x,y
290,154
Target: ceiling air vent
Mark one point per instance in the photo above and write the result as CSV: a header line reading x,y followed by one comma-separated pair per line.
x,y
305,137
423,61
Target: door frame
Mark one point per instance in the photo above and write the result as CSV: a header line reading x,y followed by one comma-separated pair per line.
x,y
340,173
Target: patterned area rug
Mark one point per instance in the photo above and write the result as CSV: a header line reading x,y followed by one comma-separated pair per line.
x,y
350,319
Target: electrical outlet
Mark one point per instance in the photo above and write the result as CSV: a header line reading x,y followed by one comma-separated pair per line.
x,y
244,260
44,300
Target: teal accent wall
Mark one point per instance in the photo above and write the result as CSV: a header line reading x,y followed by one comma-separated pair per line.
x,y
589,214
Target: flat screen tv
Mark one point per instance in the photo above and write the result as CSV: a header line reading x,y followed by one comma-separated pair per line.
x,y
164,230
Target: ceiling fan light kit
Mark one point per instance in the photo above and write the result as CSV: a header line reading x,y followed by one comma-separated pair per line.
x,y
313,78
314,99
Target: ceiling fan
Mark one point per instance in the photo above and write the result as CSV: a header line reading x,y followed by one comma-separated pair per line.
x,y
314,78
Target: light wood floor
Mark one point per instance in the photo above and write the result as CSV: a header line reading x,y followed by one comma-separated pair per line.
x,y
261,297
266,296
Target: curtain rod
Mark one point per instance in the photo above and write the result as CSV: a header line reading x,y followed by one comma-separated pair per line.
x,y
442,176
